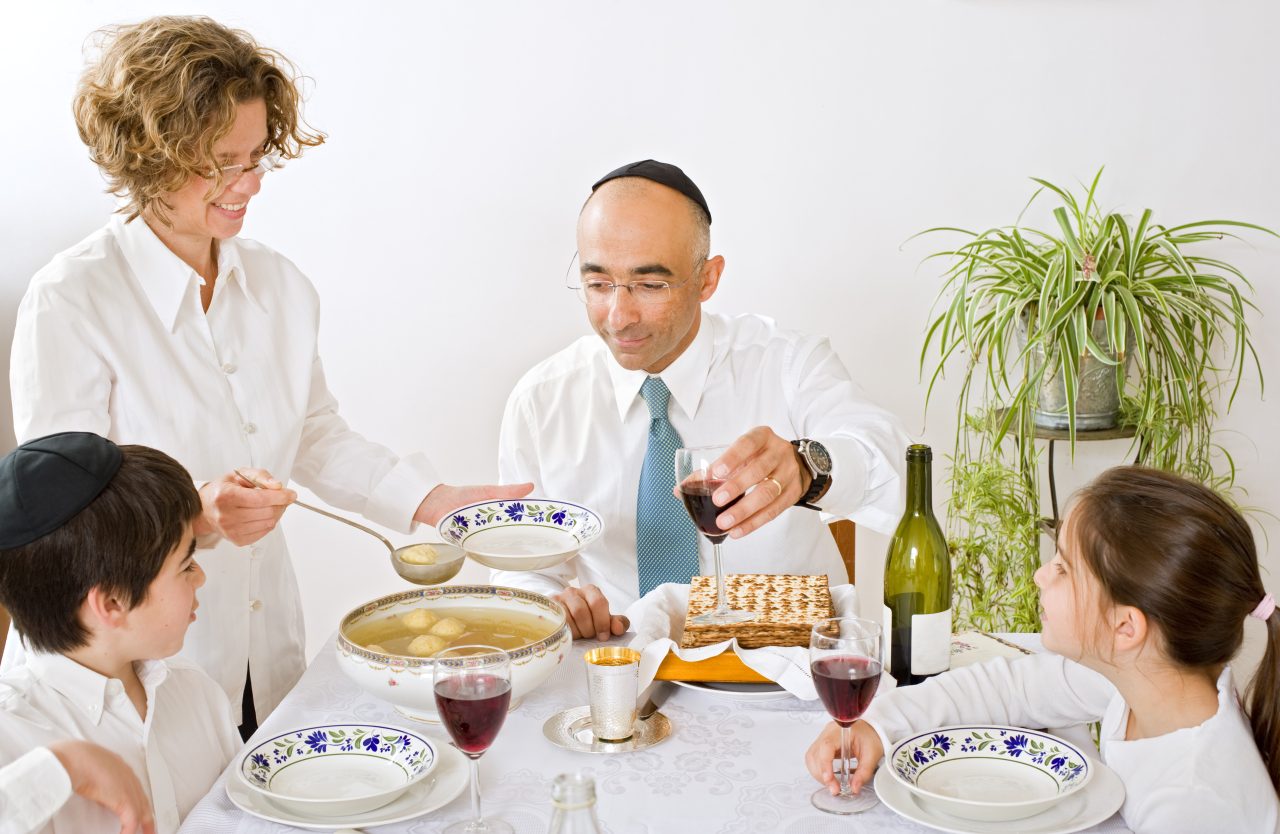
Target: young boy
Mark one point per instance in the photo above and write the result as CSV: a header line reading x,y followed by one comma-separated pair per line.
x,y
98,730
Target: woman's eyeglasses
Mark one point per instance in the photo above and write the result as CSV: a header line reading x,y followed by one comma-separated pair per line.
x,y
231,173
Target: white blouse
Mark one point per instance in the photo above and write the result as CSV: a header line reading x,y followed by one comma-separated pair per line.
x,y
111,338
177,751
1194,780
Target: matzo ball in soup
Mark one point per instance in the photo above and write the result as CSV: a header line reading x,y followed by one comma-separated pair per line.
x,y
425,645
419,620
449,628
418,554
452,626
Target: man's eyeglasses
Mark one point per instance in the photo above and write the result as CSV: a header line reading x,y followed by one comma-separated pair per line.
x,y
597,292
231,173
600,293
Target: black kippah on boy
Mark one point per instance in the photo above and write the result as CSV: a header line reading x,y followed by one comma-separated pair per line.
x,y
46,482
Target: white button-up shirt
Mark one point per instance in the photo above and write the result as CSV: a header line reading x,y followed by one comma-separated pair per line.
x,y
177,751
1197,779
577,427
111,338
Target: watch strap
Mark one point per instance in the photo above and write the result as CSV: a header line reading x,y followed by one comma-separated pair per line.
x,y
818,481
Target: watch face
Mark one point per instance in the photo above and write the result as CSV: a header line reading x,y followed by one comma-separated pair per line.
x,y
819,457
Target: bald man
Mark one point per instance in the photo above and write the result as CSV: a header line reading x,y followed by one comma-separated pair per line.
x,y
598,422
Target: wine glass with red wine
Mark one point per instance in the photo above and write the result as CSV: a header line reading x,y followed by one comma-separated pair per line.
x,y
697,485
844,654
473,692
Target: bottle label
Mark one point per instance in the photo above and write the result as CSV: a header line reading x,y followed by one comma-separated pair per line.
x,y
930,643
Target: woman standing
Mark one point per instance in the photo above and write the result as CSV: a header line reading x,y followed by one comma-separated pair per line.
x,y
164,328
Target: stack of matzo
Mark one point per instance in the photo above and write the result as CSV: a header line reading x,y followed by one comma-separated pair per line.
x,y
786,607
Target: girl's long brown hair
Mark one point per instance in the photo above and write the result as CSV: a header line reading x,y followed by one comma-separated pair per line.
x,y
1169,546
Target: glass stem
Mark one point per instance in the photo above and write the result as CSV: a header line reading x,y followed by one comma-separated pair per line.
x,y
475,789
846,733
722,601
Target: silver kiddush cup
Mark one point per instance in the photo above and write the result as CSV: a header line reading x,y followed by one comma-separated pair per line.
x,y
613,679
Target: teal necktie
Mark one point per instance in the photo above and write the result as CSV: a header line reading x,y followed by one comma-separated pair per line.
x,y
666,540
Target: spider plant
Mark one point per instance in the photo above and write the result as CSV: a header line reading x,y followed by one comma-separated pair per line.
x,y
1021,305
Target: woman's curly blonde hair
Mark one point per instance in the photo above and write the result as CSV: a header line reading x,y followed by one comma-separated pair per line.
x,y
164,91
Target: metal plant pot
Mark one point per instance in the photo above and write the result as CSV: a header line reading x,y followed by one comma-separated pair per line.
x,y
1098,385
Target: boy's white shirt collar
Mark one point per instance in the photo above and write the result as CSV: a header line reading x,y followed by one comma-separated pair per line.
x,y
177,761
685,378
88,689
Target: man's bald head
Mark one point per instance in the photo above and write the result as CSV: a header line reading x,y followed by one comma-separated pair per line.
x,y
618,194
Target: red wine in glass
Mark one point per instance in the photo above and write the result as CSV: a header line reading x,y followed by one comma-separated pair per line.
x,y
845,658
696,484
473,690
697,500
473,710
846,684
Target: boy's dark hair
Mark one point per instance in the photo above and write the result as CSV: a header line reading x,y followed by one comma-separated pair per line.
x,y
117,543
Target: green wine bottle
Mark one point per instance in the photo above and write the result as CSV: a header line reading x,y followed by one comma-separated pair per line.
x,y
917,581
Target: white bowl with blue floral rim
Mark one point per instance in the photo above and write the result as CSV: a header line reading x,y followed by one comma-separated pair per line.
x,y
337,769
529,534
989,773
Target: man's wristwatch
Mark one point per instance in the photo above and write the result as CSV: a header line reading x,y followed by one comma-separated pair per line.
x,y
818,460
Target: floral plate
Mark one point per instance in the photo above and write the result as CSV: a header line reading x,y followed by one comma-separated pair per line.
x,y
337,769
442,786
530,534
1085,808
989,773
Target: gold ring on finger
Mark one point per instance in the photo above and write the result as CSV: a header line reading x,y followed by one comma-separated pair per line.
x,y
775,482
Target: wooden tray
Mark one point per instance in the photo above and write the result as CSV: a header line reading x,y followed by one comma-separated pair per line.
x,y
725,667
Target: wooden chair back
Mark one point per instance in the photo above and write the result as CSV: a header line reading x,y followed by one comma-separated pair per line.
x,y
842,530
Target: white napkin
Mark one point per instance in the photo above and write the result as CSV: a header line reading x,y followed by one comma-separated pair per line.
x,y
658,619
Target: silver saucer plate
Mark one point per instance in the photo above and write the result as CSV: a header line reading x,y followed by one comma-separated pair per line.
x,y
571,730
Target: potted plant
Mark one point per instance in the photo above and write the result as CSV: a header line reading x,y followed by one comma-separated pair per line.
x,y
1098,320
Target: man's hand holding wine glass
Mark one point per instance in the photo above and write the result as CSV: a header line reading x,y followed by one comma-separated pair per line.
x,y
761,459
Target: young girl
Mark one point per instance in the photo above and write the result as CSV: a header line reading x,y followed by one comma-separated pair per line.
x,y
1144,604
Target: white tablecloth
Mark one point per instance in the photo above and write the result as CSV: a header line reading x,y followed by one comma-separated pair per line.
x,y
730,767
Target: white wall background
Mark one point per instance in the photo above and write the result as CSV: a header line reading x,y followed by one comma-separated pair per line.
x,y
438,219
